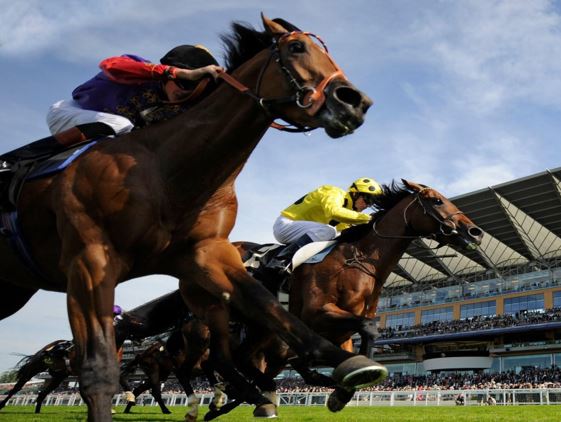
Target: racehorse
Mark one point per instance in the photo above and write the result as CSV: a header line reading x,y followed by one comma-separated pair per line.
x,y
57,358
338,296
184,353
161,200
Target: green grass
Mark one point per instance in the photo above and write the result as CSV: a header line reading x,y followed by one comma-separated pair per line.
x,y
308,414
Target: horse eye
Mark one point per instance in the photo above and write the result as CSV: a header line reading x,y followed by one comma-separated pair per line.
x,y
437,201
296,47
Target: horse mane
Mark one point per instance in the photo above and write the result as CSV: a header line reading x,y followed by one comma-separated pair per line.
x,y
245,42
391,195
242,44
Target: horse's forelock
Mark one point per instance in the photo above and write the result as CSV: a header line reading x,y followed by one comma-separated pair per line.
x,y
242,44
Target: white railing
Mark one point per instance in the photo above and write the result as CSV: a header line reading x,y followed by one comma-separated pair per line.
x,y
362,398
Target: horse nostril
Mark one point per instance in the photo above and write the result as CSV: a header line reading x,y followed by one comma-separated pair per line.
x,y
475,232
348,95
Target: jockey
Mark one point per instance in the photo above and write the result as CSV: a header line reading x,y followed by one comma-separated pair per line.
x,y
128,92
322,214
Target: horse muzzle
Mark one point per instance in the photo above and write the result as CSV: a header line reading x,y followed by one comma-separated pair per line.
x,y
344,108
469,237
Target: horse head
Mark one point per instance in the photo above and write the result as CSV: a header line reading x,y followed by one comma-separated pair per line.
x,y
431,214
297,79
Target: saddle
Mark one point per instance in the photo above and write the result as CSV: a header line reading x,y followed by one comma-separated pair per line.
x,y
35,169
260,261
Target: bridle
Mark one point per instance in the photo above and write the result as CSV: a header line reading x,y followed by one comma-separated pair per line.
x,y
306,97
447,225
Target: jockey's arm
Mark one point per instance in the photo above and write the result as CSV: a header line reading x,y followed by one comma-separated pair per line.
x,y
135,70
333,205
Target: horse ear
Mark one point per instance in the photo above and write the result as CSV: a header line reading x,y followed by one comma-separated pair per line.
x,y
412,185
273,28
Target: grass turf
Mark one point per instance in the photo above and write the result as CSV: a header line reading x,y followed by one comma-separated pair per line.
x,y
306,414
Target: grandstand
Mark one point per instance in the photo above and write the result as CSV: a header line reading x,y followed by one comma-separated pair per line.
x,y
489,310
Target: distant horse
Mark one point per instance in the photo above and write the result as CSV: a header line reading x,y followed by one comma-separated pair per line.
x,y
338,296
161,200
57,358
184,354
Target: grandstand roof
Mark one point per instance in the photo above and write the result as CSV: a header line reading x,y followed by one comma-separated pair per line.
x,y
522,224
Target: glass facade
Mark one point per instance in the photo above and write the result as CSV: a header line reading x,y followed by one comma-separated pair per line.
x,y
407,368
523,303
404,320
439,314
480,289
487,308
518,363
557,299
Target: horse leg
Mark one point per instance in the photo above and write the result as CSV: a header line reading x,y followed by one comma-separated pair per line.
x,y
157,393
217,267
13,298
183,375
53,383
216,315
140,388
126,370
25,373
219,397
90,293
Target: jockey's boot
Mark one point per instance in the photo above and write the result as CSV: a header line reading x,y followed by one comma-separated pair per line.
x,y
54,144
282,262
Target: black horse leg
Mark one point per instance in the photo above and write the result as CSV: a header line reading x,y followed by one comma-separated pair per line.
x,y
19,385
140,388
157,393
53,383
183,375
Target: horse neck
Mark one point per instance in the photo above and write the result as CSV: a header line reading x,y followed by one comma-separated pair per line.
x,y
213,140
387,252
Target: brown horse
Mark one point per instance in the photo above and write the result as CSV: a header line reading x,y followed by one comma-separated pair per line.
x,y
161,200
338,297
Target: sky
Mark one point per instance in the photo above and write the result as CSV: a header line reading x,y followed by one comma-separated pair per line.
x,y
467,94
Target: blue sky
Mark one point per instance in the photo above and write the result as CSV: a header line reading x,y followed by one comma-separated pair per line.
x,y
466,95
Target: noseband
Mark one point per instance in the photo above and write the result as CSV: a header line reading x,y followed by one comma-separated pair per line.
x,y
446,222
306,97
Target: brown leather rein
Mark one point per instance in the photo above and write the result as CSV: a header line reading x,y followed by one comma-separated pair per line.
x,y
309,98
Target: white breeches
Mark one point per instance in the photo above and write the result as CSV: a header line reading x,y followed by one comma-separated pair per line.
x,y
288,231
65,114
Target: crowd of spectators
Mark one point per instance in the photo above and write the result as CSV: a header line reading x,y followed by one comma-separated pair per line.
x,y
526,378
473,324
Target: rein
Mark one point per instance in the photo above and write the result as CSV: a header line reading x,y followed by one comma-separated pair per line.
x,y
305,97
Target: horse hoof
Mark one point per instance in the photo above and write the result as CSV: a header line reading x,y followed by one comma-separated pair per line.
x,y
190,418
359,372
267,411
166,411
339,398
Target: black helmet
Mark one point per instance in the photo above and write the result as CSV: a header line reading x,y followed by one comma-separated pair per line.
x,y
188,57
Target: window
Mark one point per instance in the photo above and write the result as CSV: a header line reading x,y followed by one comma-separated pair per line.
x,y
404,320
518,363
478,309
439,314
523,303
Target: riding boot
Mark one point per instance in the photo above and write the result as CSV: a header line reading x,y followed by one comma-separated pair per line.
x,y
283,260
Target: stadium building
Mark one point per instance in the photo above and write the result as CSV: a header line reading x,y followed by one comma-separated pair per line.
x,y
492,309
